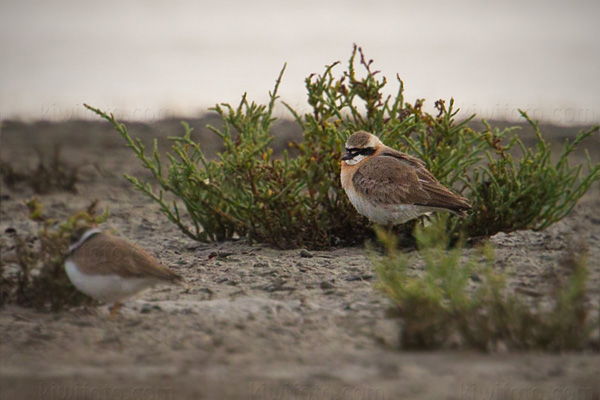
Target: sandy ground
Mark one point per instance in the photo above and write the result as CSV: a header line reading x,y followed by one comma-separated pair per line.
x,y
256,322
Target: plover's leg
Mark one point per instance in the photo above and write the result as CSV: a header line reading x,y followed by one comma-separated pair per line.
x,y
114,309
390,227
383,233
426,219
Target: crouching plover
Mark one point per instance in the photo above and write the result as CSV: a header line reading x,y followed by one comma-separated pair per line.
x,y
111,269
389,187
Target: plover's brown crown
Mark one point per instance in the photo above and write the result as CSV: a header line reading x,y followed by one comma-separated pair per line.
x,y
358,139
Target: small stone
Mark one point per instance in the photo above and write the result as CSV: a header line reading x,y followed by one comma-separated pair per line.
x,y
261,264
147,308
327,285
221,255
362,277
305,253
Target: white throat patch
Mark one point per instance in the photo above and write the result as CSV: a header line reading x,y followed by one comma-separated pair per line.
x,y
85,237
356,159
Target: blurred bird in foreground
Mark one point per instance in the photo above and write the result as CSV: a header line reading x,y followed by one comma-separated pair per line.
x,y
111,269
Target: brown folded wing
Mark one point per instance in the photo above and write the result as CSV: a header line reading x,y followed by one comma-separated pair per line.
x,y
395,178
105,254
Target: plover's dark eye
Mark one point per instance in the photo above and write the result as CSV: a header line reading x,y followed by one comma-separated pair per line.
x,y
367,151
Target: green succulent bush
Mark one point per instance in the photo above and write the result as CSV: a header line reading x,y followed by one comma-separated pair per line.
x,y
443,307
298,201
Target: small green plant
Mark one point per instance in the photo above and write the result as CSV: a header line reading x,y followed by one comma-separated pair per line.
x,y
443,307
298,201
41,281
529,193
48,176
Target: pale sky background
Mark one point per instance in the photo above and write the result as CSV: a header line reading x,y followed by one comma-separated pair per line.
x,y
146,59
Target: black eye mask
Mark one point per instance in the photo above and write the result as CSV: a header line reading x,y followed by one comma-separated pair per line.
x,y
355,151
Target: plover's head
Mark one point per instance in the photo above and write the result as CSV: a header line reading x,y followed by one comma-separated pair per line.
x,y
359,146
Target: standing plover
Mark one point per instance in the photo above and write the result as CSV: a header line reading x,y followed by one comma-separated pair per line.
x,y
111,269
389,187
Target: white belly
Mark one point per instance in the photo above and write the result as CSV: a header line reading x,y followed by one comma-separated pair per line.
x,y
385,213
106,288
